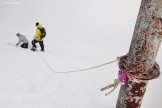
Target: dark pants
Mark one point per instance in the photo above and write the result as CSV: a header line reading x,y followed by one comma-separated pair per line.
x,y
24,45
40,43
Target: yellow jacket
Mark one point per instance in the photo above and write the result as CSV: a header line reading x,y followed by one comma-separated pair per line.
x,y
38,33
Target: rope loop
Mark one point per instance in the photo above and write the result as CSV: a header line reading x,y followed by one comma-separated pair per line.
x,y
79,70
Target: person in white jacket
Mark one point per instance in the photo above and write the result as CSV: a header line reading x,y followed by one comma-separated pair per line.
x,y
22,39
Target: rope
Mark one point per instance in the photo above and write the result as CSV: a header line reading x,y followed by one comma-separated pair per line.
x,y
79,70
113,86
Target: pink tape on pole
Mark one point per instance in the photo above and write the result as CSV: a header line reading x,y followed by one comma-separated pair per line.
x,y
122,77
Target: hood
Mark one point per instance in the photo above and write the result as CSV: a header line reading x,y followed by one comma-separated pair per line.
x,y
39,26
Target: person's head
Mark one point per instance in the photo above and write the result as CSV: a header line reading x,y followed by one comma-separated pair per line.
x,y
18,34
37,23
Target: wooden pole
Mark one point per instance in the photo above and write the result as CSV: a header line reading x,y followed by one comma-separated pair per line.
x,y
139,63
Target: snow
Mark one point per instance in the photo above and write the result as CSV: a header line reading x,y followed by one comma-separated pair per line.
x,y
80,34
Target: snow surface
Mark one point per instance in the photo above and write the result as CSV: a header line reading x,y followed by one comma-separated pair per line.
x,y
80,34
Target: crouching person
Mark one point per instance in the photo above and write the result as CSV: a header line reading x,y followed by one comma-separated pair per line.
x,y
23,40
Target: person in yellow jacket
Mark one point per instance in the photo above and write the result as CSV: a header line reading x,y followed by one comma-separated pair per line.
x,y
37,38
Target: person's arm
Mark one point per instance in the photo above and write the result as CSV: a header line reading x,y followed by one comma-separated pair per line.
x,y
18,42
37,35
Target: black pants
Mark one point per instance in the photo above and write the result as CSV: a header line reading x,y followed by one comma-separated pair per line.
x,y
24,45
40,43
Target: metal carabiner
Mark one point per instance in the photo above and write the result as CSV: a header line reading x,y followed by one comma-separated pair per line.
x,y
122,79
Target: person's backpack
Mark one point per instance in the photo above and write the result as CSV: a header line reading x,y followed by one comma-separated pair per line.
x,y
43,32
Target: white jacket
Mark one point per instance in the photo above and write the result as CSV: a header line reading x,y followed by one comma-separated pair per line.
x,y
23,39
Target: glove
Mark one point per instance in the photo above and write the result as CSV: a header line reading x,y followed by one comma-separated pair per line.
x,y
40,39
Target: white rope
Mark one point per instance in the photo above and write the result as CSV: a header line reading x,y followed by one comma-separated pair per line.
x,y
79,70
113,86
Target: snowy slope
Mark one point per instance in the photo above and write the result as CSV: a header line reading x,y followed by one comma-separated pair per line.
x,y
80,34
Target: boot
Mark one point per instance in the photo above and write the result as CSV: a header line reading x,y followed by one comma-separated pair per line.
x,y
33,48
